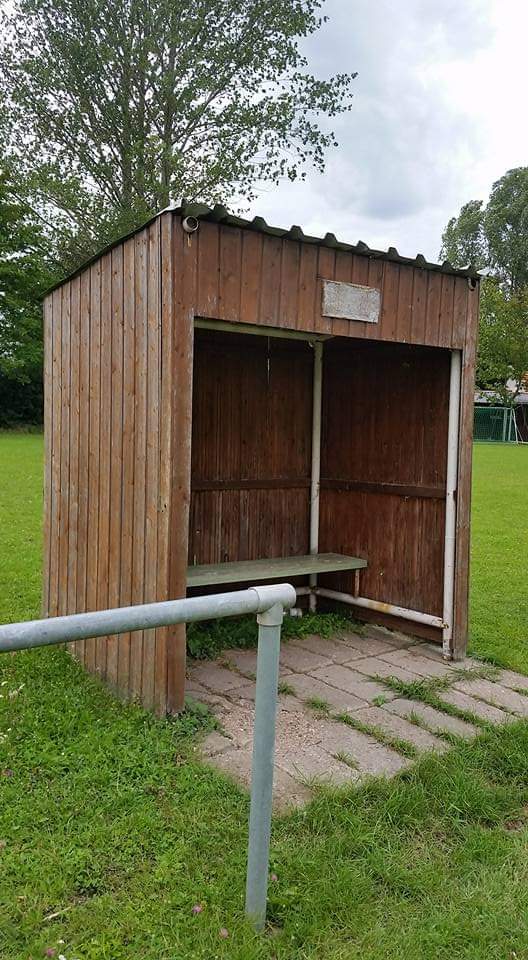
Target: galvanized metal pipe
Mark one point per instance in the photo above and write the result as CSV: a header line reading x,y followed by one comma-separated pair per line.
x,y
102,623
380,607
315,478
269,603
262,766
450,507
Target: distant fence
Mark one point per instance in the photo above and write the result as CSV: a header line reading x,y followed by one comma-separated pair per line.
x,y
501,424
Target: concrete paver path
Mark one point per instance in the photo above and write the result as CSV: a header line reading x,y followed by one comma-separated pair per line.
x,y
338,720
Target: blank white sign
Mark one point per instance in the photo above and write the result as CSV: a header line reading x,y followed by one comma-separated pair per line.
x,y
350,301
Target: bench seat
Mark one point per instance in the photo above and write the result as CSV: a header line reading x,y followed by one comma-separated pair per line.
x,y
276,568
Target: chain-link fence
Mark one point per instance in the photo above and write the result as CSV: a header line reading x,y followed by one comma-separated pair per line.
x,y
495,425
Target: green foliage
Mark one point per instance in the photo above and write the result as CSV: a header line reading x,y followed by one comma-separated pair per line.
x,y
506,228
503,341
116,108
206,640
24,274
463,240
494,236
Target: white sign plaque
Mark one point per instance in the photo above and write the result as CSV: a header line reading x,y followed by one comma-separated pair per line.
x,y
350,301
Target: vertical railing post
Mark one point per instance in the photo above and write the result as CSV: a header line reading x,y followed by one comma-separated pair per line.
x,y
262,767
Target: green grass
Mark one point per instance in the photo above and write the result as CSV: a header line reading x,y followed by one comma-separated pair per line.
x,y
111,830
499,561
20,525
207,639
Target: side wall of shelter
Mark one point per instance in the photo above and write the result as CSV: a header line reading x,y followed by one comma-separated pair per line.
x,y
108,485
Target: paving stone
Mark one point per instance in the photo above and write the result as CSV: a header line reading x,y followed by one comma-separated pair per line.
x,y
248,691
287,791
496,694
376,667
307,687
431,650
397,726
236,763
416,664
483,710
306,744
355,683
245,661
367,646
216,678
515,681
369,754
392,637
300,660
202,695
333,650
315,764
434,719
215,742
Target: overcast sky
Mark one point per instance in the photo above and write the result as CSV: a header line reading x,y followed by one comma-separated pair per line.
x,y
439,114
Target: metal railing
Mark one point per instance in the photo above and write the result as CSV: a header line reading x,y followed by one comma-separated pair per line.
x,y
269,603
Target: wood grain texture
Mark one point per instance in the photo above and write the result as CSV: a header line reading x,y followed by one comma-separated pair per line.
x,y
245,276
383,468
136,484
106,532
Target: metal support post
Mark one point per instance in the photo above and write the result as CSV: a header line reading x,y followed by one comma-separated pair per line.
x,y
262,767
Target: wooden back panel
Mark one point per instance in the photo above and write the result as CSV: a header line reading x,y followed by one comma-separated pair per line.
x,y
383,469
251,448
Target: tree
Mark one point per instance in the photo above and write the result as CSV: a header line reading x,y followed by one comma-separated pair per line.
x,y
494,236
503,342
24,275
463,240
506,228
118,107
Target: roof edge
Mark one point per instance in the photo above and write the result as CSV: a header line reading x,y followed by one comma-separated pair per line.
x,y
220,214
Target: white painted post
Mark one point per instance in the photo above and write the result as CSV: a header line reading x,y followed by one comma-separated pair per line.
x,y
450,510
316,462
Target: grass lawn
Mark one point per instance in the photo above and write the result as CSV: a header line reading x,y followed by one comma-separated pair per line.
x,y
499,561
111,831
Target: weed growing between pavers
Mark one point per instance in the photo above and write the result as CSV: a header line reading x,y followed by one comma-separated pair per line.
x,y
429,691
206,640
403,747
318,705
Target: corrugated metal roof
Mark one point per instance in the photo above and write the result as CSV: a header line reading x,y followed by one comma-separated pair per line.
x,y
219,214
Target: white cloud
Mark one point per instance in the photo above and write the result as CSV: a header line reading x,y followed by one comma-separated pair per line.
x,y
438,115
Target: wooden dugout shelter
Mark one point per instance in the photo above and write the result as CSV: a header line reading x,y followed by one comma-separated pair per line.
x,y
219,391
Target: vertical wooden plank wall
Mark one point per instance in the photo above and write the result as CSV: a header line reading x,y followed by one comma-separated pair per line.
x,y
118,409
383,469
107,478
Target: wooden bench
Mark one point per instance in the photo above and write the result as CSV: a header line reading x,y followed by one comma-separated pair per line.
x,y
277,568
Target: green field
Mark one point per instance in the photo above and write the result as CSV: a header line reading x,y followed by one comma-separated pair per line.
x,y
111,830
499,556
